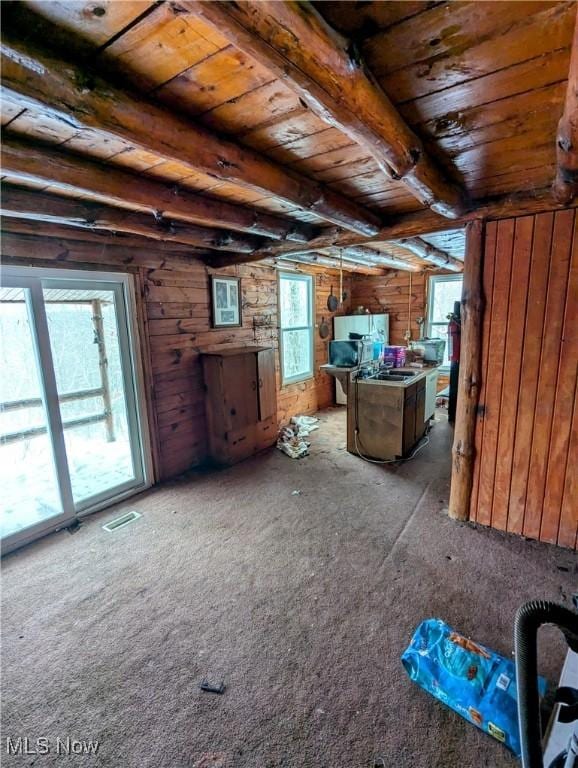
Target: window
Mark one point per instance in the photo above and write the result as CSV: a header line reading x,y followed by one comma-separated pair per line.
x,y
296,326
444,290
72,421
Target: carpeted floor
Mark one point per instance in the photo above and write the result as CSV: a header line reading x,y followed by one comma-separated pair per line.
x,y
302,602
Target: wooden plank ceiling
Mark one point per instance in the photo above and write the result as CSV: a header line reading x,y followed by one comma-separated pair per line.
x,y
206,124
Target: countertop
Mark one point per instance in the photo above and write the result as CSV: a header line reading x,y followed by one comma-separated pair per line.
x,y
420,373
343,372
335,369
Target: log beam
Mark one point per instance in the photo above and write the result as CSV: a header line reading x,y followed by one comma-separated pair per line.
x,y
379,258
421,223
463,454
359,255
28,248
60,232
430,254
64,92
39,206
333,263
25,161
566,182
297,45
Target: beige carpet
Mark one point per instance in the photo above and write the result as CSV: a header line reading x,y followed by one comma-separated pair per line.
x,y
301,602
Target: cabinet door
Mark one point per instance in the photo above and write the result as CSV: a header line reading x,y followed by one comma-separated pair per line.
x,y
409,421
420,412
431,384
266,383
240,390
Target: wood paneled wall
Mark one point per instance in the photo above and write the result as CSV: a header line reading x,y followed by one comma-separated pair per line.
x,y
400,294
526,477
173,292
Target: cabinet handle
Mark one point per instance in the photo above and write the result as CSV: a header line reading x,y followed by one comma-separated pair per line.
x,y
260,383
254,385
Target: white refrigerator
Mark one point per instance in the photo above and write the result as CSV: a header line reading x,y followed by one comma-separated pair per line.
x,y
364,324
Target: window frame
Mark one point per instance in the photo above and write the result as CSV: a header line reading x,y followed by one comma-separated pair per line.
x,y
430,325
310,282
35,279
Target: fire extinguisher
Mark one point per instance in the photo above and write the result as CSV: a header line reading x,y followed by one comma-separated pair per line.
x,y
454,334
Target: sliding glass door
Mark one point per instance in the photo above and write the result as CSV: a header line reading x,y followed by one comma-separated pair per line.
x,y
71,419
29,429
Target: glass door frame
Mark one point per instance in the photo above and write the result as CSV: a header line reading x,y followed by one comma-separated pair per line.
x,y
34,280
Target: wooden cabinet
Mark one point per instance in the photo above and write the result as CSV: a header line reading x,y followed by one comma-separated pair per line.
x,y
240,402
385,421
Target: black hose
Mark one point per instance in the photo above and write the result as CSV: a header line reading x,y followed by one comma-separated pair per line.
x,y
529,618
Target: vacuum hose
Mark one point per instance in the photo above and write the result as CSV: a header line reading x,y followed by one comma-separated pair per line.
x,y
529,618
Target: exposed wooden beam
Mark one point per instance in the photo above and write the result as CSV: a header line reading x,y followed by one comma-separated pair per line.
x,y
102,238
26,161
566,182
39,206
296,44
431,254
64,92
379,258
307,267
469,379
421,223
332,263
359,255
28,248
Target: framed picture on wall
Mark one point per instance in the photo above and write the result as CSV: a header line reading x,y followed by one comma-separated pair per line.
x,y
226,302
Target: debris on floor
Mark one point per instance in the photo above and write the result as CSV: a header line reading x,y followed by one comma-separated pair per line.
x,y
473,680
212,687
291,439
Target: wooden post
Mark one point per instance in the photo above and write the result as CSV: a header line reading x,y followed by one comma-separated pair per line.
x,y
566,182
469,381
103,366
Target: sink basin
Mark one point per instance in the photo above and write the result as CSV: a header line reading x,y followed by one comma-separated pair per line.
x,y
387,376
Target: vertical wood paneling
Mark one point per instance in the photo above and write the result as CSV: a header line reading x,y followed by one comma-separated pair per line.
x,y
534,325
512,363
494,378
548,371
568,530
558,458
525,479
477,514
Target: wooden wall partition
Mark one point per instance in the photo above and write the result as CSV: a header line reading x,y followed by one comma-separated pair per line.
x,y
525,476
174,313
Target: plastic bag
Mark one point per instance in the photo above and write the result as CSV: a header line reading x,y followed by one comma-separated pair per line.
x,y
291,439
473,680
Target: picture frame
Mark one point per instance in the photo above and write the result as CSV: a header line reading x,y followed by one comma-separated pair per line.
x,y
226,309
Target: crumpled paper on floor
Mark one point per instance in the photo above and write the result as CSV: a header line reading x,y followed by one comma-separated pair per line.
x,y
291,439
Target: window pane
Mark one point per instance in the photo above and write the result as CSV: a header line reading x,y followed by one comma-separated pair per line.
x,y
441,332
27,473
82,324
445,293
296,353
294,302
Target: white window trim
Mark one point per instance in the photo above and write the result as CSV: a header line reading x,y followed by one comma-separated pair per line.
x,y
429,325
32,278
308,279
